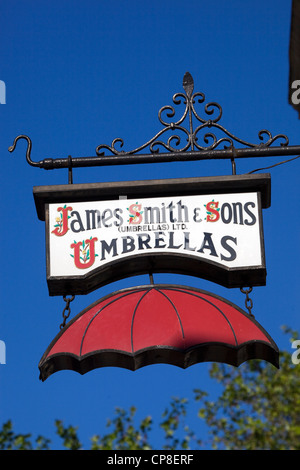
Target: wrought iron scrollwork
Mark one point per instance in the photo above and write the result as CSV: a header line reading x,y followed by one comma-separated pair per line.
x,y
201,139
213,113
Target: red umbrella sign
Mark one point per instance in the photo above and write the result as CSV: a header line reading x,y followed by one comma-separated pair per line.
x,y
170,324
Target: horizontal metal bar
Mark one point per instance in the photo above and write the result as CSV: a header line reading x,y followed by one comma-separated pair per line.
x,y
76,162
130,159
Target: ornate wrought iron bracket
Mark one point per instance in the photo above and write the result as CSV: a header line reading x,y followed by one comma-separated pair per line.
x,y
174,150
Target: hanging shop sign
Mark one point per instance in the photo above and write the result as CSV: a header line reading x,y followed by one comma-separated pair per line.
x,y
206,227
209,227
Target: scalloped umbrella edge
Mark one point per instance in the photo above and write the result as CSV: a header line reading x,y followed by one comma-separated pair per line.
x,y
183,304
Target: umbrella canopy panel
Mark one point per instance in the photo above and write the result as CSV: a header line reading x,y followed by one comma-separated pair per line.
x,y
152,324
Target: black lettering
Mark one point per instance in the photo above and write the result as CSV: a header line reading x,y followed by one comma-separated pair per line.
x,y
159,241
253,218
235,214
171,207
154,215
208,244
163,213
143,242
106,248
227,219
187,242
91,219
182,208
228,248
171,242
119,218
76,221
106,216
128,244
196,217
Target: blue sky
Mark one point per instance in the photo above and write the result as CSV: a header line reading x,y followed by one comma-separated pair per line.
x,y
79,74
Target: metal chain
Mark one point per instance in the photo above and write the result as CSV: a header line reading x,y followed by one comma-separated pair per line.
x,y
248,301
66,310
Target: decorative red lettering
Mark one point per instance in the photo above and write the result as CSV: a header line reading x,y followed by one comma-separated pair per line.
x,y
135,216
84,253
212,209
61,226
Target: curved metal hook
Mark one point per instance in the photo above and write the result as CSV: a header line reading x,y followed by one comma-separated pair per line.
x,y
28,150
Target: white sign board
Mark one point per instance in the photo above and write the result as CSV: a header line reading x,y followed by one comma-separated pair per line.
x,y
223,229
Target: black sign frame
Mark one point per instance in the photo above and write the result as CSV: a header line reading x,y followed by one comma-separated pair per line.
x,y
162,262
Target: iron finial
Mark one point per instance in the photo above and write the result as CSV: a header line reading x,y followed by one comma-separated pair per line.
x,y
188,84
